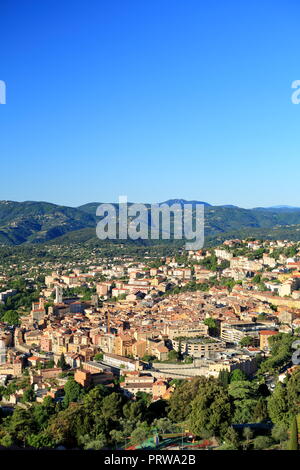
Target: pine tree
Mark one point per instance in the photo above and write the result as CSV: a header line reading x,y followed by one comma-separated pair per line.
x,y
232,437
224,377
277,405
260,412
179,349
62,362
293,442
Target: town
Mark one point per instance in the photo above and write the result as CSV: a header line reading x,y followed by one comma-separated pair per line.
x,y
140,331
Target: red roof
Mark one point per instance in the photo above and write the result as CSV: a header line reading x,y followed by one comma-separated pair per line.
x,y
269,332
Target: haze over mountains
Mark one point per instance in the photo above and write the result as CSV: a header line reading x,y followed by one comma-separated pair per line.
x,y
38,222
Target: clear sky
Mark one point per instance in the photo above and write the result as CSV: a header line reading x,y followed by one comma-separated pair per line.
x,y
152,99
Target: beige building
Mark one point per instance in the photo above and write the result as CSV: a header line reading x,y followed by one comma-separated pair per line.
x,y
244,263
198,347
236,331
247,365
223,254
185,330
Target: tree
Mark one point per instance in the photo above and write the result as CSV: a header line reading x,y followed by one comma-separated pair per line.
x,y
232,438
179,355
210,410
156,409
237,375
163,425
262,442
97,443
224,377
188,360
279,433
49,364
7,440
20,425
248,434
281,352
112,407
116,436
256,279
62,362
28,395
260,412
245,397
73,391
148,358
173,355
247,341
243,412
134,410
144,396
293,441
140,434
212,326
263,390
11,317
92,401
66,427
181,399
242,389
293,392
98,357
40,440
277,405
42,412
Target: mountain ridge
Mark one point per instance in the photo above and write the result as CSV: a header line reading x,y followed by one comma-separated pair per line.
x,y
41,221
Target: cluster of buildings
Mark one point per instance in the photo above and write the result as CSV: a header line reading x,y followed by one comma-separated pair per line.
x,y
129,326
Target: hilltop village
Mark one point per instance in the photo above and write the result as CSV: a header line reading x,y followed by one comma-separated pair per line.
x,y
141,327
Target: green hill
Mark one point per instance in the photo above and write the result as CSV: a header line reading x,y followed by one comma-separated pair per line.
x,y
38,222
29,221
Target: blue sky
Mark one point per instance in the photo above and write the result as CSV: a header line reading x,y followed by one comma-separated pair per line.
x,y
153,99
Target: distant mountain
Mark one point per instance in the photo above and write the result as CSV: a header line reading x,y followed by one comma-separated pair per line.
x,y
35,222
170,202
38,222
283,207
278,209
89,208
